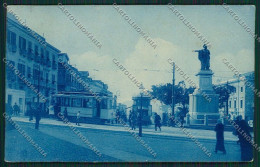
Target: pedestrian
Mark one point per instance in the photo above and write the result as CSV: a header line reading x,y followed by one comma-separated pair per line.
x,y
65,113
238,118
130,117
182,119
133,120
78,118
30,111
38,113
244,136
157,121
16,109
219,128
9,109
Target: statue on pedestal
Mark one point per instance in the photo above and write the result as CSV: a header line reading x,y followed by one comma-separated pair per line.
x,y
203,56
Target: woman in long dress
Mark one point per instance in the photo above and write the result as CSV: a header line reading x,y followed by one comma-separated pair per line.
x,y
220,137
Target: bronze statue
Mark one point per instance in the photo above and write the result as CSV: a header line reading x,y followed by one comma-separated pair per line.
x,y
204,57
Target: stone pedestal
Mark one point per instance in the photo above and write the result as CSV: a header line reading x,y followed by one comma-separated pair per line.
x,y
203,103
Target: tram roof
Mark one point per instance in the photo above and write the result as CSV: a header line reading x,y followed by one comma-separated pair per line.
x,y
79,94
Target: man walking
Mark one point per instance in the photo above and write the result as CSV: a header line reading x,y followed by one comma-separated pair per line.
x,y
245,142
65,113
220,137
77,119
157,121
16,109
38,113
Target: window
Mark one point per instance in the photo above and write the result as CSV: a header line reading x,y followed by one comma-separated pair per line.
x,y
36,50
21,68
11,38
53,79
9,72
104,103
35,74
29,75
76,102
42,53
229,104
30,47
41,75
47,77
235,104
22,43
54,65
241,89
241,103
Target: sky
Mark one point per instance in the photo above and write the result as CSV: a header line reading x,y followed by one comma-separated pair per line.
x,y
120,41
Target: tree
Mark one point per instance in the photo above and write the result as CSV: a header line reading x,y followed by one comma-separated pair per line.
x,y
224,92
163,93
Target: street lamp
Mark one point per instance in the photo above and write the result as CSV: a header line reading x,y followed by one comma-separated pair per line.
x,y
141,112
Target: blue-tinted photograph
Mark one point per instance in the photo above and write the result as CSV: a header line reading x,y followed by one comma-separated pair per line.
x,y
130,83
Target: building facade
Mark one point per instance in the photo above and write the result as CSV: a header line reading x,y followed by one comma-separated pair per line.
x,y
241,102
31,67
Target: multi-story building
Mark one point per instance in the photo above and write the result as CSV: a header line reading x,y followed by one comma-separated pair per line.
x,y
68,79
36,64
241,102
78,92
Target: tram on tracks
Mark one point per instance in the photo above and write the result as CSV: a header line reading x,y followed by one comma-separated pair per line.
x,y
93,109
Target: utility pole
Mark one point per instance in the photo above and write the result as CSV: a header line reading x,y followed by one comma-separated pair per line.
x,y
227,101
173,83
173,100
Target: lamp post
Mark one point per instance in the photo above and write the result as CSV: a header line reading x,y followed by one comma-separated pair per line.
x,y
141,112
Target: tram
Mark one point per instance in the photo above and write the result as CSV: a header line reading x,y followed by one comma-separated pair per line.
x,y
91,109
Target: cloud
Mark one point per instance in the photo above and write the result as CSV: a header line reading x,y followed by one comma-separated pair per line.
x,y
150,66
243,61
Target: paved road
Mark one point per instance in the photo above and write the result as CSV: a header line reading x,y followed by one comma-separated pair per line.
x,y
61,144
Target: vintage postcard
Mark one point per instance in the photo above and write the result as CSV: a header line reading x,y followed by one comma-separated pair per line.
x,y
130,83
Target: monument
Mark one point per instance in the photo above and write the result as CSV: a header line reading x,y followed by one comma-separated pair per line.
x,y
203,103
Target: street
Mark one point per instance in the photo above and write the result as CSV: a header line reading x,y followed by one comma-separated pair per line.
x,y
62,144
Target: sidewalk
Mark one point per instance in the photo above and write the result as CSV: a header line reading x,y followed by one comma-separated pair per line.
x,y
166,131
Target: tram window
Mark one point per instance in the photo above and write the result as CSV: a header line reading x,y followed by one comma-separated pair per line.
x,y
66,101
89,104
58,100
62,101
76,102
85,101
109,104
104,104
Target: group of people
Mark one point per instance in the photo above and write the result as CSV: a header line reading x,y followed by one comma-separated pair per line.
x,y
12,110
65,115
35,111
133,120
32,110
245,142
